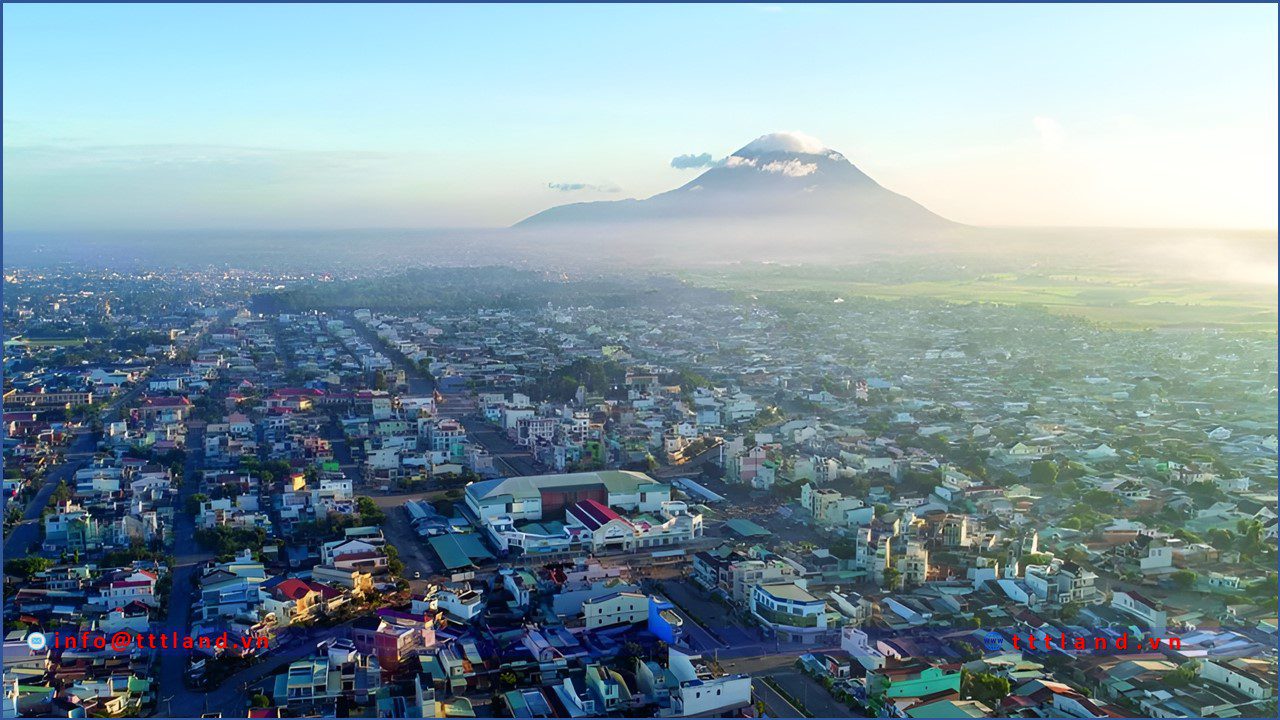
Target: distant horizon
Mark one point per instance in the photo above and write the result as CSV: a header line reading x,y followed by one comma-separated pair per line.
x,y
157,118
501,228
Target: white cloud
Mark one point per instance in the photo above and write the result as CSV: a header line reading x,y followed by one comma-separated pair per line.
x,y
578,186
790,168
686,162
790,141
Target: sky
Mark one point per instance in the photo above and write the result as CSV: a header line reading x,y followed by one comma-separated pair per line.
x,y
156,117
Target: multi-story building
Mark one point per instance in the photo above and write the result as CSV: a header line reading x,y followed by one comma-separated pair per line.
x,y
914,564
1062,583
617,608
955,531
739,578
790,611
43,398
688,686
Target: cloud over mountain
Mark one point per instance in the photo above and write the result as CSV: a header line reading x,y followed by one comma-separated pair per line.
x,y
781,192
688,162
578,187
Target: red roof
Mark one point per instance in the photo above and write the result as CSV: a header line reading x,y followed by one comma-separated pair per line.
x,y
326,591
593,513
293,588
166,401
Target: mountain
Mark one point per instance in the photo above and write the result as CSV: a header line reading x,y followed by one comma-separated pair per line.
x,y
782,187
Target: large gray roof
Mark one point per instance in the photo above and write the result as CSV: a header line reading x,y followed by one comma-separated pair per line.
x,y
530,486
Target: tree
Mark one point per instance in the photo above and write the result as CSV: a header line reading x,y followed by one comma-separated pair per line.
x,y
1069,612
370,513
1183,676
630,651
1044,472
891,578
194,502
62,493
1220,539
843,549
1250,532
984,687
394,564
260,701
1183,579
25,567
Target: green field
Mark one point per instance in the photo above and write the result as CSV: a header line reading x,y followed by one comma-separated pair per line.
x,y
1112,299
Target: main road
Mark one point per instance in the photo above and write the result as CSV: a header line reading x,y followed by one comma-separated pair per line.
x,y
507,454
187,558
84,442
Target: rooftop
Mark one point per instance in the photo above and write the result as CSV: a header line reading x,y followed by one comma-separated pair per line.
x,y
531,486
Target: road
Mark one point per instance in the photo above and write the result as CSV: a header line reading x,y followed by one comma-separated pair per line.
x,y
810,693
81,448
22,536
774,704
187,557
231,696
508,456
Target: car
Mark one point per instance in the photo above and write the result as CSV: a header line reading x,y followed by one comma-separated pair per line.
x,y
417,575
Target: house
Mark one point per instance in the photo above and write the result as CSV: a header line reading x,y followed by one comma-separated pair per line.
x,y
288,600
459,600
1150,612
123,587
1063,583
617,608
688,686
899,684
1043,698
1254,677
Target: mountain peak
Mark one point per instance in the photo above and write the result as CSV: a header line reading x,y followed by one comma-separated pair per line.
x,y
784,187
786,142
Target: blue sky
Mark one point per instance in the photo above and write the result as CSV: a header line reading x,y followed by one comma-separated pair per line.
x,y
239,116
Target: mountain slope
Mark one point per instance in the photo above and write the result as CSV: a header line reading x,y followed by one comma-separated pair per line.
x,y
776,178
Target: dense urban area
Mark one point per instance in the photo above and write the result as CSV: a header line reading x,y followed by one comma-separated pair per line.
x,y
483,492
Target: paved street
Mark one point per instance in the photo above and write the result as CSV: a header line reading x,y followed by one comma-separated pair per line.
x,y
774,704
509,457
187,557
810,693
83,444
25,534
